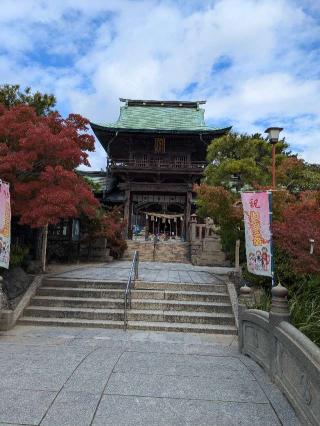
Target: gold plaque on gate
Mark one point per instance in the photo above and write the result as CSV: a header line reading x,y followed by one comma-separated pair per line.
x,y
159,145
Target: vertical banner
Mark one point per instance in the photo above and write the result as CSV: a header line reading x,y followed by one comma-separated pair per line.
x,y
5,222
256,210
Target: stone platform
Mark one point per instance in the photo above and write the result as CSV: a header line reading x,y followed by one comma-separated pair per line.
x,y
148,271
74,376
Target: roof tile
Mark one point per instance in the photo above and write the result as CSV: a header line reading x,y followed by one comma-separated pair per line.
x,y
160,118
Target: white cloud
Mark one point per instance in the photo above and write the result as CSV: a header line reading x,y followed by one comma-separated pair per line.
x,y
155,49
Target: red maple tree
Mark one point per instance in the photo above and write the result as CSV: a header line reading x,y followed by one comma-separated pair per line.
x,y
109,225
299,223
38,157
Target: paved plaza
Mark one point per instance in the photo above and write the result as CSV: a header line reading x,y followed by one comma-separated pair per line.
x,y
76,376
148,271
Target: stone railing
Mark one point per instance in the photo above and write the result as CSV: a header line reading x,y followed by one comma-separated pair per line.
x,y
288,356
200,231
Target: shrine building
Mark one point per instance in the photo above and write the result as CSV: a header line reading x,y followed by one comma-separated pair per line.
x,y
156,152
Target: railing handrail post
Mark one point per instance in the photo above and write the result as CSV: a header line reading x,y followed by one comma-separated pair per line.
x,y
133,275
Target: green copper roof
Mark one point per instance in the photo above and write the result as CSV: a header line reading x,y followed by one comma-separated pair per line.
x,y
158,115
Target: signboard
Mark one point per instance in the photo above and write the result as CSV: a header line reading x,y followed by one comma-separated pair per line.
x,y
75,230
5,222
256,210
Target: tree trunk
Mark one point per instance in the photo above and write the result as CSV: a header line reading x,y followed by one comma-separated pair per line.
x,y
44,247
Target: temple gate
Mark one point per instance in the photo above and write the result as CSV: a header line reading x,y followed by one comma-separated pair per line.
x,y
156,152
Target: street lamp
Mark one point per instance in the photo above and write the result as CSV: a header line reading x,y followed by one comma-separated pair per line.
x,y
273,136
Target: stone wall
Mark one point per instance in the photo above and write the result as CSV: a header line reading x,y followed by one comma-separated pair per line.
x,y
9,317
97,251
160,252
288,356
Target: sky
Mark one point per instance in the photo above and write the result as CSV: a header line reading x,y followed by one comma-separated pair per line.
x,y
256,62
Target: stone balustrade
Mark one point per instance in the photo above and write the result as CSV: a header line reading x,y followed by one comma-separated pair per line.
x,y
288,356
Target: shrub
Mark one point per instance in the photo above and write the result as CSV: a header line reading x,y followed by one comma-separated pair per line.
x,y
18,254
305,308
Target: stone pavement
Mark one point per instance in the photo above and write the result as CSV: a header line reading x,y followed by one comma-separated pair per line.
x,y
148,271
75,376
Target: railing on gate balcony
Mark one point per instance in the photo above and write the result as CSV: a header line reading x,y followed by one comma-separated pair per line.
x,y
157,164
133,275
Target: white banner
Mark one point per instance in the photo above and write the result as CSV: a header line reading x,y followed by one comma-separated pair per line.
x,y
256,210
5,225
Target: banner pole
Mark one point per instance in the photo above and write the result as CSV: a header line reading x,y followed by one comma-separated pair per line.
x,y
5,232
271,239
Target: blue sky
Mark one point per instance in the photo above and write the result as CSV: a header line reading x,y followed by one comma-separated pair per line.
x,y
256,62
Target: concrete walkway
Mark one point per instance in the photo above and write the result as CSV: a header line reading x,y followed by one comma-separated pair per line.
x,y
74,376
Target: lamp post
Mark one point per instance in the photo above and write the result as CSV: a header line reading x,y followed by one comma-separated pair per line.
x,y
273,136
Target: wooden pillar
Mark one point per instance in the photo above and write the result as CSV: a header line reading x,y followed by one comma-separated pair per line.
x,y
127,212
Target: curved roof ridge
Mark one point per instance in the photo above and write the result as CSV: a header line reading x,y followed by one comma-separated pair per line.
x,y
162,103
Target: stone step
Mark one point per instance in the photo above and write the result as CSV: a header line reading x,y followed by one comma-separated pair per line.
x,y
133,315
144,304
210,287
136,294
218,287
83,283
183,327
168,259
187,306
78,302
174,251
81,292
197,296
132,325
69,322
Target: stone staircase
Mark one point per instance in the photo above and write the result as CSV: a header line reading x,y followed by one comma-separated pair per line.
x,y
208,252
155,306
167,251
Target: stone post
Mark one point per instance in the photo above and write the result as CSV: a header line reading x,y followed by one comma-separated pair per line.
x,y
279,305
245,299
237,269
279,312
193,223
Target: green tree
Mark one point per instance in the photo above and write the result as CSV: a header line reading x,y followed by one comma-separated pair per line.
x,y
296,175
11,95
237,160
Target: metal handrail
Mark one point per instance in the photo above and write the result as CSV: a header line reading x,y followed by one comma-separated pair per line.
x,y
134,274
